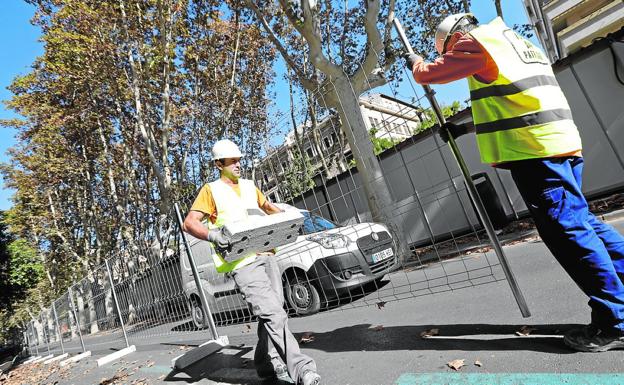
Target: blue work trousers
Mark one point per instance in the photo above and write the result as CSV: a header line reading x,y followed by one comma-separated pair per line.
x,y
590,251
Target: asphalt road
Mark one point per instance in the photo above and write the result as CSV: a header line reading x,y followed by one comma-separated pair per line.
x,y
383,344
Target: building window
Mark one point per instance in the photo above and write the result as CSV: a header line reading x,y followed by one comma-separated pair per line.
x,y
265,177
334,138
327,142
310,152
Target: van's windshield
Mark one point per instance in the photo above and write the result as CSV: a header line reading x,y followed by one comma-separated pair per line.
x,y
313,223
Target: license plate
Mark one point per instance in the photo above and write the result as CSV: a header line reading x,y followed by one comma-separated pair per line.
x,y
381,255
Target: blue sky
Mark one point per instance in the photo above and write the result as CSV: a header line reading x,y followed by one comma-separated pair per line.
x,y
19,46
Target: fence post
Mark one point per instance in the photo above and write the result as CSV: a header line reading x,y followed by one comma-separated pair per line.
x,y
472,190
200,287
110,279
58,327
71,306
45,335
33,330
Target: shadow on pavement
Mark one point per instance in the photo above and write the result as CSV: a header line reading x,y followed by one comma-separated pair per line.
x,y
227,365
367,337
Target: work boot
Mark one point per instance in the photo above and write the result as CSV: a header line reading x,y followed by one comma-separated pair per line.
x,y
591,338
310,378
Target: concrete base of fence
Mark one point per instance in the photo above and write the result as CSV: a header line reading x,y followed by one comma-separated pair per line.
x,y
44,358
76,358
112,357
31,359
207,348
54,359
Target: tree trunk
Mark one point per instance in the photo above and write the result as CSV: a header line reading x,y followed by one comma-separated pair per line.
x,y
375,186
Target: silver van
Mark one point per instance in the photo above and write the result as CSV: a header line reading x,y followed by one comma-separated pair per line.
x,y
327,265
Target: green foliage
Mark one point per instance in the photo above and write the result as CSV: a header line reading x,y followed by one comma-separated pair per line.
x,y
430,119
381,144
26,269
298,176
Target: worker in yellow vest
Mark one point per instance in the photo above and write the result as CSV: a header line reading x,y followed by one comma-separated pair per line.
x,y
227,200
523,123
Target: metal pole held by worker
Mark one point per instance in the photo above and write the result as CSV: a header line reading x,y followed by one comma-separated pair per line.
x,y
472,190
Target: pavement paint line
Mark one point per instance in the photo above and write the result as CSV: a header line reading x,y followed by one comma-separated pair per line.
x,y
510,379
158,369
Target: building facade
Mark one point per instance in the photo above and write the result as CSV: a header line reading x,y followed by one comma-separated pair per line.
x,y
565,26
325,148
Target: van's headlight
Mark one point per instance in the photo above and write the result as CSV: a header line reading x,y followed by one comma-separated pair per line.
x,y
329,241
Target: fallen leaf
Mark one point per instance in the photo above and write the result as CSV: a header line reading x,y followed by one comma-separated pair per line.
x,y
456,364
478,363
162,377
183,347
525,330
429,333
306,338
381,304
150,364
378,328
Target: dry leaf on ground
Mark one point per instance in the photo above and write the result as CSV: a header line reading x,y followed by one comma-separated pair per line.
x,y
429,333
150,364
381,304
456,364
525,330
378,328
478,363
306,338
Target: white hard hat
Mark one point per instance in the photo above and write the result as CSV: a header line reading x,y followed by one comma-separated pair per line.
x,y
225,149
448,26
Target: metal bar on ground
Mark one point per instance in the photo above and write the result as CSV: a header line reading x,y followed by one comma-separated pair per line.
x,y
73,310
123,327
58,327
200,287
209,347
472,191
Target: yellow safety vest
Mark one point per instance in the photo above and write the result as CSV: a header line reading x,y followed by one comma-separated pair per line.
x,y
232,208
523,114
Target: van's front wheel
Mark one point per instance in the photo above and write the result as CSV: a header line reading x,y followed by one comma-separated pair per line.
x,y
301,295
197,313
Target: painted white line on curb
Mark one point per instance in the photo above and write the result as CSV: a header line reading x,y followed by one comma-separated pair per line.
x,y
112,357
51,360
38,360
31,360
76,358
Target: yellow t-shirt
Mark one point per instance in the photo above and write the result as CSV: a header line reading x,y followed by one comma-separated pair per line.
x,y
205,203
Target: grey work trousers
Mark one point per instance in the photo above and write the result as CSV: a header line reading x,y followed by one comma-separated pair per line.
x,y
261,285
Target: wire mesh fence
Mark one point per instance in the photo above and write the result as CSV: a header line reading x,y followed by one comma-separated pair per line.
x,y
386,217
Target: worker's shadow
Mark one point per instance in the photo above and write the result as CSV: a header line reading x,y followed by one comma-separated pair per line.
x,y
226,365
465,337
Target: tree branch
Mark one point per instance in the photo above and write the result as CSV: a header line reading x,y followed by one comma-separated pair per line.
x,y
375,45
307,83
311,33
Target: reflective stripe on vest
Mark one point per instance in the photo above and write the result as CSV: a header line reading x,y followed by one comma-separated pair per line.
x,y
523,114
232,208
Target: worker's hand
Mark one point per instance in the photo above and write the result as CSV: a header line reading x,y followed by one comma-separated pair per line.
x,y
455,130
219,239
411,59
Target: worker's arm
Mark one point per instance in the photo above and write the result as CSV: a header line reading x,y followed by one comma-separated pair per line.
x,y
465,59
193,225
265,204
270,208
